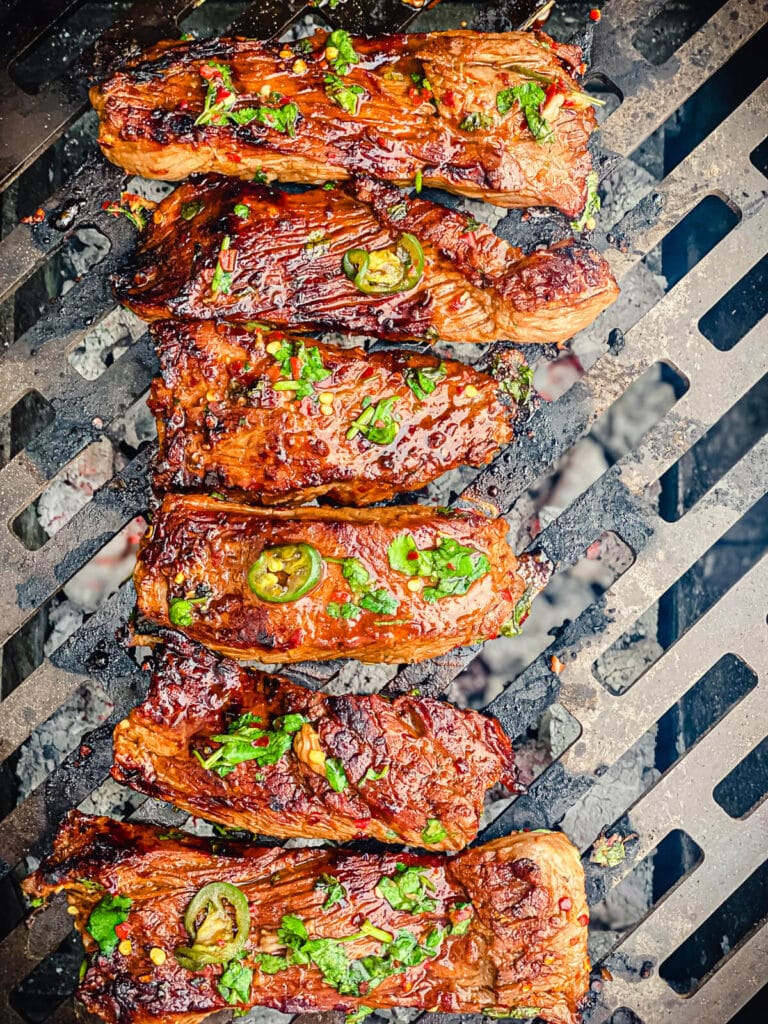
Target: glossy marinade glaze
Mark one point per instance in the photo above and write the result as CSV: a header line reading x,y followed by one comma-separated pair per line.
x,y
501,927
458,124
272,418
457,580
218,248
290,761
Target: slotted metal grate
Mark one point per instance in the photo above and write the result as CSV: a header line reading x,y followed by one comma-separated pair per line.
x,y
619,501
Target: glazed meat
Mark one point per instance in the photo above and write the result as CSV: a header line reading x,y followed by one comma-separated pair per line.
x,y
410,770
392,584
498,117
212,925
362,258
268,417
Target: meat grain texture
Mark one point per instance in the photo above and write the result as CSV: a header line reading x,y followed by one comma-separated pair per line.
x,y
200,550
407,761
284,254
452,133
230,419
524,948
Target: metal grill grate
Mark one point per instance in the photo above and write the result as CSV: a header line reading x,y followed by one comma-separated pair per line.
x,y
610,724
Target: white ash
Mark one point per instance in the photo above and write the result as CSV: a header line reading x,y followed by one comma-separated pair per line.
x,y
106,342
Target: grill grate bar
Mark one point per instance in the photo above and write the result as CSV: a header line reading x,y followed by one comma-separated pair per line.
x,y
652,93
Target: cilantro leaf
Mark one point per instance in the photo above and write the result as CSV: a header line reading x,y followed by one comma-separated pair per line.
x,y
452,566
519,387
407,890
347,55
269,964
347,610
245,741
512,627
372,776
235,983
380,601
280,119
372,599
300,367
108,913
530,97
343,94
334,890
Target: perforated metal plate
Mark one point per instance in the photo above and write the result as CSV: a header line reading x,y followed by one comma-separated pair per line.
x,y
619,501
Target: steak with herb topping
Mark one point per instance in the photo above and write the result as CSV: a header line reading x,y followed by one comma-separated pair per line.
x,y
290,761
218,248
391,584
499,928
498,117
275,419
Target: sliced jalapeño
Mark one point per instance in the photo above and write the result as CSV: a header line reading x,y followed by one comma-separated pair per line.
x,y
285,573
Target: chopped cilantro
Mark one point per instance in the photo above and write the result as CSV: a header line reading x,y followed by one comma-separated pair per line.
x,y
347,55
242,211
269,964
433,832
422,380
372,776
244,740
519,387
407,890
346,96
281,119
452,566
347,610
235,983
260,177
372,599
530,97
334,890
108,913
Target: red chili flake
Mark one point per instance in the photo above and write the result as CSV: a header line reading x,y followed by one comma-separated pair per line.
x,y
565,903
222,94
183,105
556,665
85,751
412,556
262,741
460,389
595,14
450,565
583,920
227,259
208,72
36,218
367,372
413,93
296,637
296,367
593,551
361,824
122,930
449,99
574,941
338,595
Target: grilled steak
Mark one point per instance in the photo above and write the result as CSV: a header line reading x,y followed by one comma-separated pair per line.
x,y
361,257
211,925
382,585
265,416
292,762
498,117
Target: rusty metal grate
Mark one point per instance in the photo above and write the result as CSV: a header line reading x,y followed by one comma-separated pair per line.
x,y
668,332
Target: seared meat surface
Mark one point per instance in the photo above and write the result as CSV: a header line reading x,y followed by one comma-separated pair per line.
x,y
218,248
498,117
345,767
272,418
392,584
498,927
